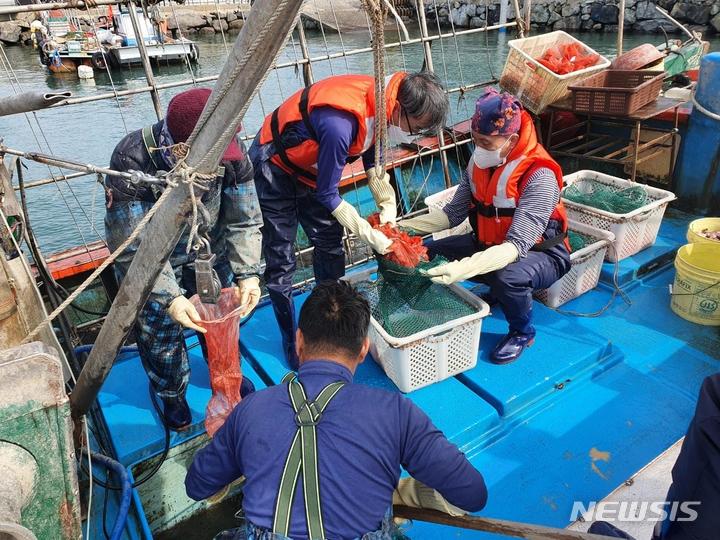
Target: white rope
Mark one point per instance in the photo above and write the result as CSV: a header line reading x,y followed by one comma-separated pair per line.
x,y
220,21
322,32
398,19
263,112
261,39
447,77
702,109
342,43
100,269
181,173
36,291
98,180
107,70
182,42
459,61
11,73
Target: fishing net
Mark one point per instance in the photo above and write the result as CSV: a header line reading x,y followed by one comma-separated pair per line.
x,y
223,355
578,241
604,197
403,299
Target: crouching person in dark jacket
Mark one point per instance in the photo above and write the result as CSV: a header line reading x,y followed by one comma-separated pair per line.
x,y
234,232
321,455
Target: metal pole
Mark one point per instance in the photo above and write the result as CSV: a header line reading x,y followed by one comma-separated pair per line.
x,y
307,66
497,526
621,27
261,38
528,9
353,52
9,10
46,181
503,13
62,163
518,18
430,67
140,39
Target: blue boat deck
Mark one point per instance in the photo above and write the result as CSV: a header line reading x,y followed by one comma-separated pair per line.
x,y
589,404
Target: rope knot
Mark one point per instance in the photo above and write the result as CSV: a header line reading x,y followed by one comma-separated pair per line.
x,y
180,151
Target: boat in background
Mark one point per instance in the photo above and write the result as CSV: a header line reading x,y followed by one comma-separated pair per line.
x,y
112,43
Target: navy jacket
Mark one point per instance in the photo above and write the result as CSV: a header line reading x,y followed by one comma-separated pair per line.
x,y
364,437
696,474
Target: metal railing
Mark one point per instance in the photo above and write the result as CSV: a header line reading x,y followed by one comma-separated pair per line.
x,y
303,61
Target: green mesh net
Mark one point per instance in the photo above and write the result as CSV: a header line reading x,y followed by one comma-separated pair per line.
x,y
604,197
405,302
578,241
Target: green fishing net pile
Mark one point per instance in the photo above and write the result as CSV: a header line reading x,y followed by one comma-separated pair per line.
x,y
579,241
604,197
404,300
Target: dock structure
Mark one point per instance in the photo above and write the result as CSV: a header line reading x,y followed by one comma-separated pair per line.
x,y
347,15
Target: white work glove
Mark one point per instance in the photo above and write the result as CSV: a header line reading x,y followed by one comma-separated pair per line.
x,y
351,220
248,294
434,221
182,311
493,258
384,195
412,493
220,495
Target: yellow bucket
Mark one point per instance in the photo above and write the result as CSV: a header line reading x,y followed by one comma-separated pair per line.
x,y
696,290
709,223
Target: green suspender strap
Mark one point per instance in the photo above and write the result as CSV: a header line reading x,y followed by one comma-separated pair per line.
x,y
303,456
151,147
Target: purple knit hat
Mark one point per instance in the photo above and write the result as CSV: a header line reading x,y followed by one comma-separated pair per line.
x,y
496,114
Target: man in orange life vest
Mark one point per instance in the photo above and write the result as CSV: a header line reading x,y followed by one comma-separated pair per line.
x,y
519,239
299,156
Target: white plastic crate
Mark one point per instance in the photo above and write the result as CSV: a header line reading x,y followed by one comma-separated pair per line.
x,y
633,231
438,201
585,271
432,355
532,83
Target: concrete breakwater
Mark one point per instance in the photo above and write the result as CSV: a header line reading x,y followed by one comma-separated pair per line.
x,y
583,15
546,15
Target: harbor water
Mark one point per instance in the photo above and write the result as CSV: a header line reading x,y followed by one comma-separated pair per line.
x,y
68,214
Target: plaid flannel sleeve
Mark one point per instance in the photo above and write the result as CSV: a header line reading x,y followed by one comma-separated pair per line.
x,y
120,221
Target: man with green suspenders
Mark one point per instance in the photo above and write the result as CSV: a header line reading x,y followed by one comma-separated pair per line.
x,y
321,456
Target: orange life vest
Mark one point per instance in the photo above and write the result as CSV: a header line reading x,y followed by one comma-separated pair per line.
x,y
352,93
496,191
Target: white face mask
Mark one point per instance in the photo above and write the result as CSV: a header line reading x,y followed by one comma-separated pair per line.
x,y
397,136
486,159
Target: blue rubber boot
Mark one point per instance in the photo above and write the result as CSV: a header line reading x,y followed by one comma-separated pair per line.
x,y
246,387
177,413
511,347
